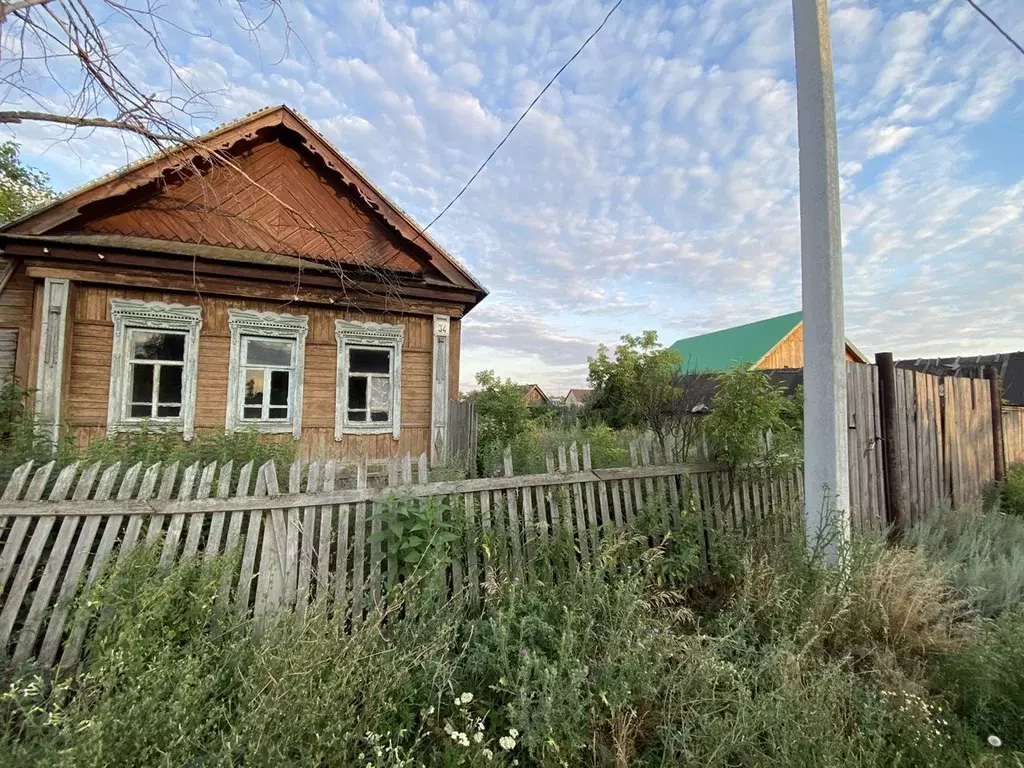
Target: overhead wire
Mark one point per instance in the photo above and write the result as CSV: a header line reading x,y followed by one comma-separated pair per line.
x,y
993,22
515,125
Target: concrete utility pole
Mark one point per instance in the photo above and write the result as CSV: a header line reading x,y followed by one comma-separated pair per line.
x,y
826,479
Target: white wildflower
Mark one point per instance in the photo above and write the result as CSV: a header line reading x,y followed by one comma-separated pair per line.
x,y
507,743
479,723
478,737
467,697
513,733
488,755
448,728
995,741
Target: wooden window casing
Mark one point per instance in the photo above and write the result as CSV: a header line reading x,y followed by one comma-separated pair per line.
x,y
370,375
133,321
276,332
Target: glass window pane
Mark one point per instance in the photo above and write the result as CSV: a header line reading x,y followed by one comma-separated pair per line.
x,y
279,387
380,394
357,415
141,411
254,387
142,384
268,352
170,384
277,413
356,392
158,345
168,410
369,360
251,413
379,416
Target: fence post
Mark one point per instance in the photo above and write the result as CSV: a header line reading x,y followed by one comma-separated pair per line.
x,y
996,393
895,508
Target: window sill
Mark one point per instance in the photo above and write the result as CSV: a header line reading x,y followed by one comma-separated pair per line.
x,y
149,425
381,429
267,427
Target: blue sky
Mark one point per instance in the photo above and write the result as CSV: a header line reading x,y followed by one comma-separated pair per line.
x,y
655,185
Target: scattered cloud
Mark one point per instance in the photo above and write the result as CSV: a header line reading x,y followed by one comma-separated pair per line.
x,y
656,184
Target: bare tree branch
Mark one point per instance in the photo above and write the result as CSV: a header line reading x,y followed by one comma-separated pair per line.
x,y
7,9
88,122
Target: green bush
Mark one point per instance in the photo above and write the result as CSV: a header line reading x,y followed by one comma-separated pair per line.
x,y
1011,493
986,681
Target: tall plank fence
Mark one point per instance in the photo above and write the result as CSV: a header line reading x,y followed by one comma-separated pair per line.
x,y
1013,435
313,546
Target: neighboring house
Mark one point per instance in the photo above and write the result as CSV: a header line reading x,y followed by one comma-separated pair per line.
x,y
577,397
534,395
1010,367
254,279
775,343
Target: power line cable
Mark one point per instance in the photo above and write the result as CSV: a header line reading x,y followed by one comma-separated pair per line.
x,y
517,122
992,21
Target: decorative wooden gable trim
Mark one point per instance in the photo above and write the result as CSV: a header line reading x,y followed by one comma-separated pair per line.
x,y
223,147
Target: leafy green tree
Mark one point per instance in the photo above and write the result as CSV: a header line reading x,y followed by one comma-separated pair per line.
x,y
642,386
21,188
752,420
502,413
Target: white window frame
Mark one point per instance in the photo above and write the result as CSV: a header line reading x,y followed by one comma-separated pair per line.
x,y
129,315
243,324
354,334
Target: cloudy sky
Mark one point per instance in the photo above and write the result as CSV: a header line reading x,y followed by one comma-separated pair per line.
x,y
655,184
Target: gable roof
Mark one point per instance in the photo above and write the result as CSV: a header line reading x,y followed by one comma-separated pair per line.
x,y
1010,366
744,345
109,205
579,393
739,345
527,388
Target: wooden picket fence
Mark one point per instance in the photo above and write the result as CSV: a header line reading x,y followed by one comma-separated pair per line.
x,y
313,548
1013,435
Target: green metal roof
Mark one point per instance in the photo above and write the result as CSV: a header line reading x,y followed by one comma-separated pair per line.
x,y
720,351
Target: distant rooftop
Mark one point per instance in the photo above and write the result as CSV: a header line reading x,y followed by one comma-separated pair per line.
x,y
740,345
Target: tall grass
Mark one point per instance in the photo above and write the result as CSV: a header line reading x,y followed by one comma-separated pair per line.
x,y
640,659
984,554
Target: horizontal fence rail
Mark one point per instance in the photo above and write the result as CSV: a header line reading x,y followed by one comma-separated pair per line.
x,y
304,544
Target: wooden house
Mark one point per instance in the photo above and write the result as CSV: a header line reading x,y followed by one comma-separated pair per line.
x,y
534,395
577,397
252,279
775,343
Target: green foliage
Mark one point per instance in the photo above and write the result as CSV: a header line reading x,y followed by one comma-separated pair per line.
x,y
748,407
642,658
421,533
21,188
1011,492
640,387
986,681
150,445
502,414
20,441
